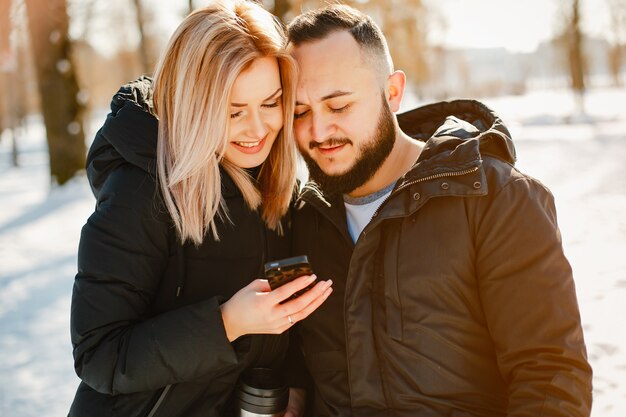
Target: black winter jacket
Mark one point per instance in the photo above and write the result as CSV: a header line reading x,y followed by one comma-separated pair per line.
x,y
146,324
457,299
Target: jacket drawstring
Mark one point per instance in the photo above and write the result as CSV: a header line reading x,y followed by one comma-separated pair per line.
x,y
180,275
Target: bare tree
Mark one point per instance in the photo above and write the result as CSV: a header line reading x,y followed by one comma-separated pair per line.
x,y
571,42
5,51
24,77
143,42
48,23
5,25
404,23
617,11
11,102
577,67
281,9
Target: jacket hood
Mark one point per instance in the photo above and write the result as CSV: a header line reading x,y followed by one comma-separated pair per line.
x,y
458,134
129,134
461,126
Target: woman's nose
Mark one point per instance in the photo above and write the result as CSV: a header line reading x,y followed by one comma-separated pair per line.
x,y
257,127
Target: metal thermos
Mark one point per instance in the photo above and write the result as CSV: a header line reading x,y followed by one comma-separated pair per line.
x,y
262,392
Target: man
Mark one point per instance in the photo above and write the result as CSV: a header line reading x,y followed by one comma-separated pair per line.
x,y
452,293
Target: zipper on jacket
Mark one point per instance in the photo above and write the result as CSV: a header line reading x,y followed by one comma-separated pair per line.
x,y
159,401
428,178
180,270
264,247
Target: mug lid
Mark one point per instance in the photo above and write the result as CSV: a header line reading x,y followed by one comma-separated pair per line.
x,y
262,382
277,402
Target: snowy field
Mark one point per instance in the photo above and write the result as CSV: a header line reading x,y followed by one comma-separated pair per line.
x,y
581,159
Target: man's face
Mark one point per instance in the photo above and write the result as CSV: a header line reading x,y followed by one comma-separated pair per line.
x,y
343,125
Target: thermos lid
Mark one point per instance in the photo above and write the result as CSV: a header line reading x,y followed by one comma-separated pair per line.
x,y
262,391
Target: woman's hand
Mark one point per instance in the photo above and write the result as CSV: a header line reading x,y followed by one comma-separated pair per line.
x,y
297,402
256,308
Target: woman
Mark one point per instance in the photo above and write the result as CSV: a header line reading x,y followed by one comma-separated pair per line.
x,y
166,311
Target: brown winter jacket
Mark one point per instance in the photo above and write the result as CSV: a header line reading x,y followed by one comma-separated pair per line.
x,y
457,299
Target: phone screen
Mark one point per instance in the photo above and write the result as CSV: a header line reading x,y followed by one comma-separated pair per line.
x,y
280,272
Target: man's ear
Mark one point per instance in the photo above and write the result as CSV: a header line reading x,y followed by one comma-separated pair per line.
x,y
395,89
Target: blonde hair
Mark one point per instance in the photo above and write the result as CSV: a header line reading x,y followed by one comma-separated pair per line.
x,y
192,87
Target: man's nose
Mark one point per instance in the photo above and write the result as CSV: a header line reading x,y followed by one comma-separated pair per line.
x,y
321,127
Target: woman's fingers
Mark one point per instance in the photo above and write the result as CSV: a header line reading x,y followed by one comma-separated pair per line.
x,y
255,309
308,302
285,291
260,285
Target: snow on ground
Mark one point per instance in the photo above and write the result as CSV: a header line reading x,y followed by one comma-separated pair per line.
x,y
39,231
581,159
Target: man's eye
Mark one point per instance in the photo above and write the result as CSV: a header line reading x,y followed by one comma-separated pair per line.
x,y
299,115
340,109
235,115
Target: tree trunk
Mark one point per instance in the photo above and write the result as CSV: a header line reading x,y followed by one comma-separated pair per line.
x,y
143,43
8,113
8,76
617,11
615,64
5,29
576,58
58,88
281,9
14,153
190,6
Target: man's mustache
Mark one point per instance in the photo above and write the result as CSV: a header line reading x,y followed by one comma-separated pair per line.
x,y
329,143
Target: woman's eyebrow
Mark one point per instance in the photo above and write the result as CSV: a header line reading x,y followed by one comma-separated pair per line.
x,y
274,94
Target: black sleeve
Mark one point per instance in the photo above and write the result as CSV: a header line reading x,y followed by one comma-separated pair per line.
x,y
118,346
529,299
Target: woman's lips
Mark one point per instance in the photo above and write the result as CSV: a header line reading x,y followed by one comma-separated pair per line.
x,y
249,147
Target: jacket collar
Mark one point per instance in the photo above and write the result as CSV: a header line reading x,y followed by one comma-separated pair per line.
x,y
331,206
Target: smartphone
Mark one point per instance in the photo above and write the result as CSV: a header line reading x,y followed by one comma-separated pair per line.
x,y
286,270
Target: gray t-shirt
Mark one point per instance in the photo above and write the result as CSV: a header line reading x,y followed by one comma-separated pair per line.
x,y
359,210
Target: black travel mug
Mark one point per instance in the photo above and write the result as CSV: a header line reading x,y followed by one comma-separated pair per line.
x,y
262,392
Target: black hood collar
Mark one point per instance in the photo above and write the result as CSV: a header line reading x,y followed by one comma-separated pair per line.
x,y
130,135
457,134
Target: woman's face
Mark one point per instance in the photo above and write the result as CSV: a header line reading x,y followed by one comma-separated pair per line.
x,y
256,113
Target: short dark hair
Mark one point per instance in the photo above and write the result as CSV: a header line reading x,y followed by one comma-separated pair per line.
x,y
317,24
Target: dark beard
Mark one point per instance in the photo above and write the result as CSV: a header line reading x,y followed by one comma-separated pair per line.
x,y
373,155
